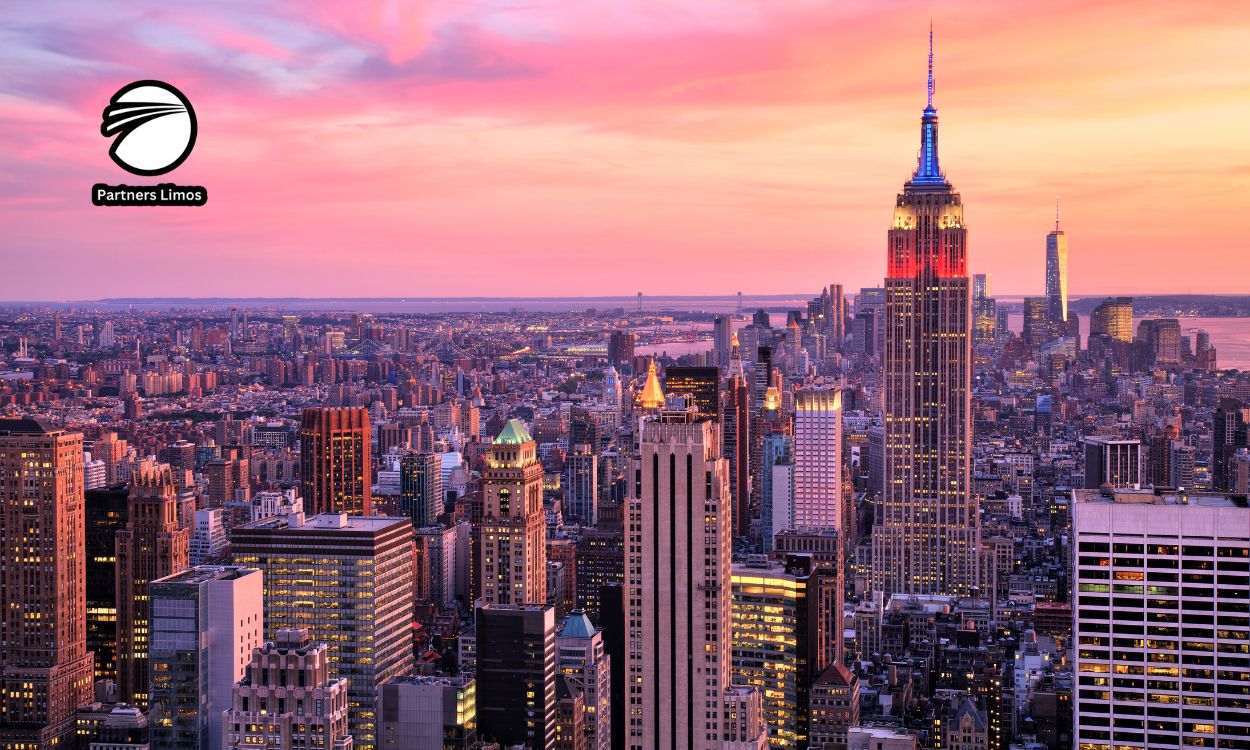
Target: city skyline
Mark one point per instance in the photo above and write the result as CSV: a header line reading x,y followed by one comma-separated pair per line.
x,y
412,142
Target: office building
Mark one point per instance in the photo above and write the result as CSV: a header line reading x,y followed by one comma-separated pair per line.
x,y
581,486
737,448
205,621
106,510
621,349
514,528
429,713
45,668
1161,620
349,581
516,674
679,541
834,708
152,546
775,642
1039,328
583,662
1112,461
700,386
287,698
722,338
421,488
1057,273
927,526
817,460
335,464
1113,318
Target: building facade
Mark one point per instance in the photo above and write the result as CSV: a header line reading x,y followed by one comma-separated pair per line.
x,y
335,463
514,527
516,674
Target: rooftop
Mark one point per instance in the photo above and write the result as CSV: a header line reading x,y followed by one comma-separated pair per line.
x,y
514,433
1159,496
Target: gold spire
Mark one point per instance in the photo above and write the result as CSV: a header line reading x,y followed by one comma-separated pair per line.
x,y
652,396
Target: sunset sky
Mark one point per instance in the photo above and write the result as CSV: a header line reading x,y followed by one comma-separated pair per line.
x,y
548,147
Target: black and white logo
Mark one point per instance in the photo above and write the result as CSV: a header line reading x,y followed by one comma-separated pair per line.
x,y
154,126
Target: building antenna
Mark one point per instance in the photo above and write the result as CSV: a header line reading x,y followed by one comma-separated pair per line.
x,y
1056,212
930,63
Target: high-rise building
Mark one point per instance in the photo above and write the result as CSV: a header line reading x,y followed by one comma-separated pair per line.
x,y
679,541
621,348
835,317
700,385
421,488
349,581
105,514
514,528
334,460
581,486
817,480
927,529
153,545
1057,273
45,668
205,621
516,674
737,448
1113,318
1113,461
429,713
1039,327
437,546
1228,434
583,662
1160,619
774,638
287,698
1161,340
722,338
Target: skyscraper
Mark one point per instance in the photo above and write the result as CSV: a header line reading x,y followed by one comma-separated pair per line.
x,y
205,622
1113,318
421,488
45,668
701,385
581,486
927,532
737,448
349,581
334,458
153,545
516,674
106,514
677,591
583,662
1159,598
817,480
1057,273
514,527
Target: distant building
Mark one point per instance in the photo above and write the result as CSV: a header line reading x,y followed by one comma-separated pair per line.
x,y
287,699
205,622
1057,273
1112,461
421,488
1113,318
208,540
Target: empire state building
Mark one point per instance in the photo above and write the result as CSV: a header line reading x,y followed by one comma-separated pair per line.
x,y
927,531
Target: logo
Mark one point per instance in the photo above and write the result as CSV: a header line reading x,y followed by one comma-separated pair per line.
x,y
155,127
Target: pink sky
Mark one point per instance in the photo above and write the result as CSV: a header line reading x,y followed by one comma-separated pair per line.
x,y
541,148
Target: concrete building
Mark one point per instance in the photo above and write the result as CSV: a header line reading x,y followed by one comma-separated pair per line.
x,y
514,527
45,668
153,545
287,698
1160,618
429,713
349,581
205,622
584,664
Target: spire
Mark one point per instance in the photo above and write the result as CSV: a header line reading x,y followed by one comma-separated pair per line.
x,y
652,396
928,172
1056,212
930,64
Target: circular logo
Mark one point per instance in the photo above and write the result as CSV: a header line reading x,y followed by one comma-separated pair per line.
x,y
154,124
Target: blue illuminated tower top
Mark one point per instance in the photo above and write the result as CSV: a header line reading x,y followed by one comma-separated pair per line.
x,y
928,172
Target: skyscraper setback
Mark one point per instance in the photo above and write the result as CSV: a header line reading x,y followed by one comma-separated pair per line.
x,y
45,668
927,533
